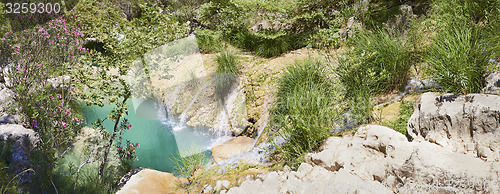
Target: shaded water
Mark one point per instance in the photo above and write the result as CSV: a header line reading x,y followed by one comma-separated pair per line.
x,y
158,141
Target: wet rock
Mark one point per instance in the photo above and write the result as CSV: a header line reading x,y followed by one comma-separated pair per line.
x,y
233,147
465,123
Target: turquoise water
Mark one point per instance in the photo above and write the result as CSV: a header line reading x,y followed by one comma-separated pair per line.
x,y
152,128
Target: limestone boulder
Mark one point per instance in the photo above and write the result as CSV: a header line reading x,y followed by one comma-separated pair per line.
x,y
309,179
464,123
151,181
380,154
378,159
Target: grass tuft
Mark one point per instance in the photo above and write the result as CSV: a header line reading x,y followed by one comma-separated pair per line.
x,y
226,73
458,59
304,110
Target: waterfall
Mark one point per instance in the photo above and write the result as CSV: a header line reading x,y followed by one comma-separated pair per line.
x,y
183,115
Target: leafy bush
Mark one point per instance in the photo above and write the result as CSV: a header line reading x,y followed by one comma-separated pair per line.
x,y
274,45
127,155
222,15
208,41
232,21
304,110
452,12
458,59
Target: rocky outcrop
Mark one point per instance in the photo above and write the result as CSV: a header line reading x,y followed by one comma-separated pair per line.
x,y
466,124
189,93
61,82
378,159
22,140
6,99
9,119
233,147
151,181
493,83
309,179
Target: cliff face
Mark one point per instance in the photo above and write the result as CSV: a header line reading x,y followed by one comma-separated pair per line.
x,y
189,96
183,79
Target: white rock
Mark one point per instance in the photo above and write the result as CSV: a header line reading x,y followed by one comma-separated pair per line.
x,y
207,189
466,124
222,184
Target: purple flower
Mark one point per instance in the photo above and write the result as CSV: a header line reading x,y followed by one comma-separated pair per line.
x,y
34,123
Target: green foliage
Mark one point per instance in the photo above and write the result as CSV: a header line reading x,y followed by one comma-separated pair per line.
x,y
453,12
380,61
377,63
376,13
274,45
186,166
98,19
223,15
458,59
232,21
227,62
327,38
88,181
127,155
3,20
494,34
405,112
225,74
184,10
304,111
8,183
208,41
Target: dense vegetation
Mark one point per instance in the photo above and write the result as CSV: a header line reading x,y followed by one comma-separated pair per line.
x,y
383,44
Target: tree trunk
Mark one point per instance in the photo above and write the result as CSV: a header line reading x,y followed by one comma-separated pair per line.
x,y
110,144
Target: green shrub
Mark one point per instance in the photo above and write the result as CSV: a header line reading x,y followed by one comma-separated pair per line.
x,y
208,41
225,74
378,61
274,45
304,110
265,44
458,59
453,12
227,62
